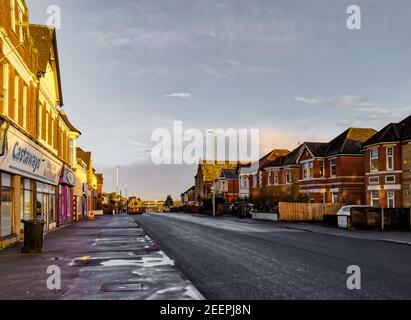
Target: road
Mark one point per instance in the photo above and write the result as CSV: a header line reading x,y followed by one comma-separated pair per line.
x,y
226,258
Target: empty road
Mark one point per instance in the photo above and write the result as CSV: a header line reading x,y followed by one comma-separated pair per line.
x,y
227,258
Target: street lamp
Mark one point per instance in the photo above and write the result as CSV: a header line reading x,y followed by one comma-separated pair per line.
x,y
214,165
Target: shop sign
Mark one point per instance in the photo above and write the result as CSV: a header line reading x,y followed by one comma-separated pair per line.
x,y
67,177
24,157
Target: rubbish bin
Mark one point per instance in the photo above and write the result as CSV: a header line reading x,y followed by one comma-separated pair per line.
x,y
33,236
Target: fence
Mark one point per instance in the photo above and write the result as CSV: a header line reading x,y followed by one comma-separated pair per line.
x,y
290,211
372,218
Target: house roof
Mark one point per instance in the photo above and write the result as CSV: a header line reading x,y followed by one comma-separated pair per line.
x,y
229,174
291,159
84,155
272,155
350,141
318,149
393,132
64,117
212,171
45,40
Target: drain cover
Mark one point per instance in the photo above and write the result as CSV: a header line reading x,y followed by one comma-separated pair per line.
x,y
122,287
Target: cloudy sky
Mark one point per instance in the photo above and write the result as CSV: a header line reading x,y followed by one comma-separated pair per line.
x,y
289,68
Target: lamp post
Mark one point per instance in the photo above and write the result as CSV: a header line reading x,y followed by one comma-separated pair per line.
x,y
214,146
118,204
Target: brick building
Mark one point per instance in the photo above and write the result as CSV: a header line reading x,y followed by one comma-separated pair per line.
x,y
388,167
334,172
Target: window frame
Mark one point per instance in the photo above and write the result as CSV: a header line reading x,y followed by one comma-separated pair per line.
x,y
374,158
389,156
333,164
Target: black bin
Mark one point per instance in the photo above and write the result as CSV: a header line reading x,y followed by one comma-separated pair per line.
x,y
33,236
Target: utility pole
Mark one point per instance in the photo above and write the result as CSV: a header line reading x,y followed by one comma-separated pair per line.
x,y
126,198
214,167
118,204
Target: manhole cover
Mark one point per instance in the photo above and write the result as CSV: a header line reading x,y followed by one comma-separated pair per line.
x,y
122,287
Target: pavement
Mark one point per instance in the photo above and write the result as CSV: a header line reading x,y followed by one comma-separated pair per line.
x,y
229,258
108,258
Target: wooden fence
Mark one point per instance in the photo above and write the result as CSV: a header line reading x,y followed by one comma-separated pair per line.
x,y
290,211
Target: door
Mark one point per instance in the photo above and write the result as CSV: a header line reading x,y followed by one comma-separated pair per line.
x,y
45,208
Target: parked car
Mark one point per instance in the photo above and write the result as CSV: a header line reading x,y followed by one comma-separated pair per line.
x,y
343,215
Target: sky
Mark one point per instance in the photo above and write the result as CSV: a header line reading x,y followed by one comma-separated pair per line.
x,y
291,69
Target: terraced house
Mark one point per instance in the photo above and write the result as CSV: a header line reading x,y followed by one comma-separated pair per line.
x,y
388,167
36,153
334,172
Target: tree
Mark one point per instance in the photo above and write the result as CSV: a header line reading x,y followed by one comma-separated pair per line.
x,y
169,202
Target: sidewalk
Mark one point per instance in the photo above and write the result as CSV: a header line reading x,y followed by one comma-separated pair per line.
x,y
398,237
109,258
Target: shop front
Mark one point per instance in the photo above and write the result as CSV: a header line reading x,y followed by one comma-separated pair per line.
x,y
29,177
66,202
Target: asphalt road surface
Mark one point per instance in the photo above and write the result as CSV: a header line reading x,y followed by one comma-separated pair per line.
x,y
230,259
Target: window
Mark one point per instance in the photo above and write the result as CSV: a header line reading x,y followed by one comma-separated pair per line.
x,y
24,106
323,197
268,176
308,170
335,197
255,181
13,15
390,158
276,178
322,172
5,90
374,180
16,98
20,23
6,208
288,179
52,143
375,198
390,179
333,169
390,198
26,200
374,159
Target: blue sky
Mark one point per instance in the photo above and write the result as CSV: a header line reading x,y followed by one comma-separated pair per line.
x,y
289,68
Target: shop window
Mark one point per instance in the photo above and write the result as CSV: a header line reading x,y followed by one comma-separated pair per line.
x,y
6,206
26,200
45,203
